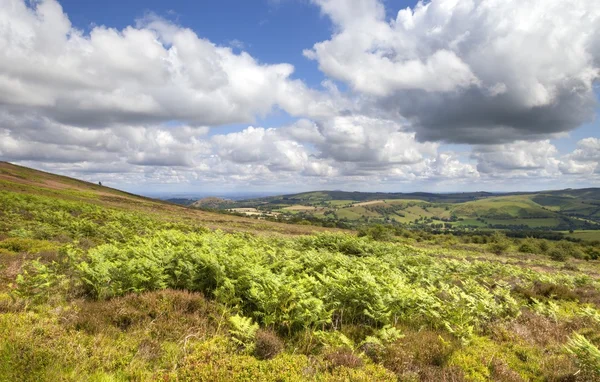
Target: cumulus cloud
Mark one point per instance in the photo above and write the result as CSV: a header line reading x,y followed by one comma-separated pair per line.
x,y
584,159
41,139
150,73
263,146
368,143
588,150
470,71
517,159
349,147
447,165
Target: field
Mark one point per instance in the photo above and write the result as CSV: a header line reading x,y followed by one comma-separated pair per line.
x,y
585,235
252,212
369,203
100,285
550,210
299,208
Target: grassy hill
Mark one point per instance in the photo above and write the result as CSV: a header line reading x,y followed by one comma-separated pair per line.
x,y
210,202
44,189
101,285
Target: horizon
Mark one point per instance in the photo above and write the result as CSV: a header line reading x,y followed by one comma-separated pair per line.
x,y
239,195
280,97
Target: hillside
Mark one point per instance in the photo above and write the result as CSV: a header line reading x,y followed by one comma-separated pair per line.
x,y
210,203
561,210
101,285
45,187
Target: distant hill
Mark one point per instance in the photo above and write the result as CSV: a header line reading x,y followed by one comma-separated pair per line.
x,y
365,196
17,181
210,203
546,210
181,201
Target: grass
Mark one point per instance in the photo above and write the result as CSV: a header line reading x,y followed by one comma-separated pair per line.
x,y
338,203
112,287
533,223
348,214
590,235
470,222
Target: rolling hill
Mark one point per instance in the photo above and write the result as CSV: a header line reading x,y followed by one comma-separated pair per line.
x,y
546,210
26,182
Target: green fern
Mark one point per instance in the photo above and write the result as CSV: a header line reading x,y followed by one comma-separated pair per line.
x,y
334,339
587,355
243,331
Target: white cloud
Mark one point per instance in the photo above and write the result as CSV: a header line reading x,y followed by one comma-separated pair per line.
x,y
154,72
584,159
470,71
370,142
40,139
449,166
518,159
262,146
588,150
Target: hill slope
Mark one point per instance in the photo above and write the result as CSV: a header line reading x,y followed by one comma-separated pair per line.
x,y
17,180
210,202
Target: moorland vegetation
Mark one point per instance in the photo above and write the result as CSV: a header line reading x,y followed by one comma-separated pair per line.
x,y
100,285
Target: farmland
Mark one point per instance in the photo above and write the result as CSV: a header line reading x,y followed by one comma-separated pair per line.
x,y
547,211
101,285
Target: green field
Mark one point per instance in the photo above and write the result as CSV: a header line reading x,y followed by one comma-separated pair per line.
x,y
470,222
584,235
532,223
555,210
338,203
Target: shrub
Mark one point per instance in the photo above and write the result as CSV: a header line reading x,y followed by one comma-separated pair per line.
x,y
378,232
543,246
564,249
557,255
24,245
375,351
165,315
445,374
593,253
500,371
417,351
528,246
570,267
542,290
499,243
343,357
267,345
37,282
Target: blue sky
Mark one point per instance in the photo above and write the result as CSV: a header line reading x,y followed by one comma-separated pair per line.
x,y
290,95
273,31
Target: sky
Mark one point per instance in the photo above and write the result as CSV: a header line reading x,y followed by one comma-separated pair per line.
x,y
296,95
